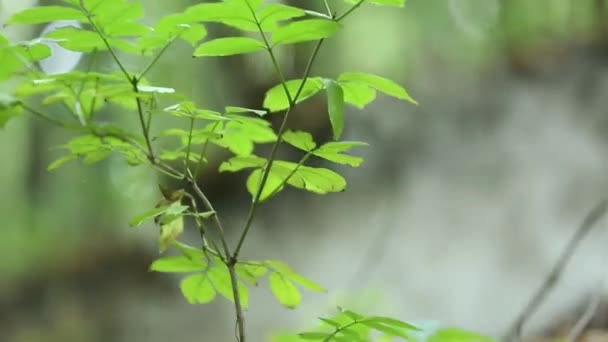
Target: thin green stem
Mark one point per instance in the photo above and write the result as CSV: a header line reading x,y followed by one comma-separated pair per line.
x,y
327,7
273,153
153,62
189,146
295,169
106,43
47,117
201,227
350,10
133,80
216,218
145,129
339,329
273,58
203,152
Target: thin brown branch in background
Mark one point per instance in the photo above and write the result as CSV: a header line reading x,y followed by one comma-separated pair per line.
x,y
554,276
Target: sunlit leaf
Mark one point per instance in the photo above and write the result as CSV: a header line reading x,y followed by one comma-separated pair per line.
x,y
458,335
153,89
273,184
220,278
391,322
46,14
333,151
229,46
357,94
233,109
300,139
241,162
9,108
197,289
314,336
60,161
177,264
377,82
139,219
76,39
233,13
276,98
286,271
250,271
284,291
272,13
304,30
335,107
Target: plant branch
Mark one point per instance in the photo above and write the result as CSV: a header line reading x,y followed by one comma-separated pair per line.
x,y
350,10
203,152
106,43
216,218
201,227
187,160
295,169
273,154
153,62
327,7
229,260
47,117
554,276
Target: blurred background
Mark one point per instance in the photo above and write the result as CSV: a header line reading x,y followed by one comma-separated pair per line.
x,y
458,213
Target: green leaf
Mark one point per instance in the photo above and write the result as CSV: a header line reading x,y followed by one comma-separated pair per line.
x,y
232,13
300,139
392,322
241,162
60,161
332,151
9,108
379,83
351,314
315,336
250,271
189,251
232,109
317,180
139,219
389,330
284,291
287,272
175,209
177,264
170,230
271,14
229,46
304,30
276,98
197,289
76,39
153,89
358,94
240,134
220,278
335,106
272,186
46,14
306,283
458,335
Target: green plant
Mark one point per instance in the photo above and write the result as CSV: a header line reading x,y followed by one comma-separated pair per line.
x,y
216,266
